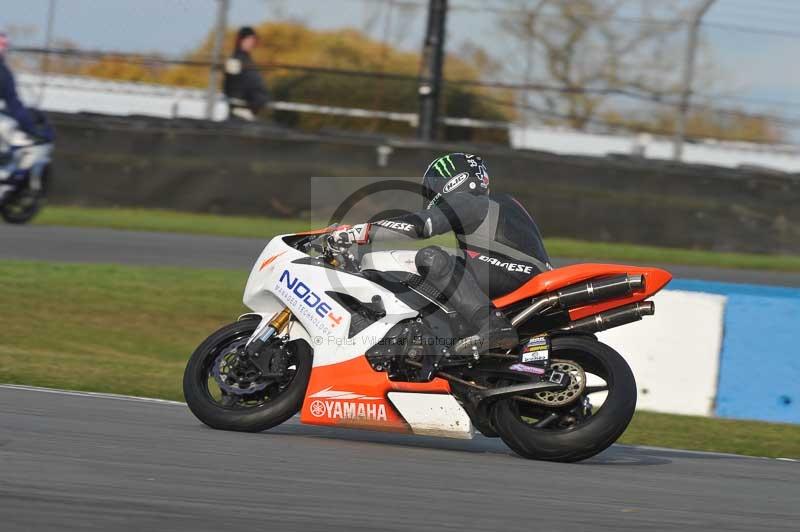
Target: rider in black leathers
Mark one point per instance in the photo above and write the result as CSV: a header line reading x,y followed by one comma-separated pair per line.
x,y
500,244
8,95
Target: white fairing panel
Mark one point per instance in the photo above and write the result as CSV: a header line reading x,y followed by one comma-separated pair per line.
x,y
433,414
276,281
400,260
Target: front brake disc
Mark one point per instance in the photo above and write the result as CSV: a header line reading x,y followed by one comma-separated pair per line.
x,y
233,379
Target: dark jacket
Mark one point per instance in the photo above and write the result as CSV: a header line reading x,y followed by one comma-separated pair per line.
x,y
244,86
497,225
14,107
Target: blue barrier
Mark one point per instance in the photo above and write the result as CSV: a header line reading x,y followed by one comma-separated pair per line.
x,y
759,375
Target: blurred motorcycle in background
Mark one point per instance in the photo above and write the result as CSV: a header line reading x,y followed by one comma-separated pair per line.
x,y
25,168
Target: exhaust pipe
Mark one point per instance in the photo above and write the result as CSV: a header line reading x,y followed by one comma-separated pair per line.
x,y
599,290
612,318
584,293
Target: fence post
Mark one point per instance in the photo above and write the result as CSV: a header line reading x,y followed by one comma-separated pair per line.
x,y
216,58
431,74
44,66
688,74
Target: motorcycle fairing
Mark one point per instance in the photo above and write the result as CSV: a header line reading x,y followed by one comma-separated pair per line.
x,y
344,390
277,277
352,394
553,280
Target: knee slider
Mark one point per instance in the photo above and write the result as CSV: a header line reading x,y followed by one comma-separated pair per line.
x,y
433,261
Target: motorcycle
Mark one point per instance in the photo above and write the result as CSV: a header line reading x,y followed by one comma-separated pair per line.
x,y
25,170
366,343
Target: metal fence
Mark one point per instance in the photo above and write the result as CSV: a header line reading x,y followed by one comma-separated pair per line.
x,y
513,96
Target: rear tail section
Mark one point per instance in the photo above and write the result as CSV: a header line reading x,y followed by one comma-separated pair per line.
x,y
593,297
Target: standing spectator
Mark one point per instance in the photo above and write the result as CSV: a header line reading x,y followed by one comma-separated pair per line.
x,y
244,87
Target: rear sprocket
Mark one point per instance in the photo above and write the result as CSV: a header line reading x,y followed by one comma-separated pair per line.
x,y
570,394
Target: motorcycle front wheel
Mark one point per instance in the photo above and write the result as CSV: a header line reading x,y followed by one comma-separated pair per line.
x,y
226,392
576,431
21,207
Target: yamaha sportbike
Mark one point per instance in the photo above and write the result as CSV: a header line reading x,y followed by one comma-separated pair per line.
x,y
25,170
367,343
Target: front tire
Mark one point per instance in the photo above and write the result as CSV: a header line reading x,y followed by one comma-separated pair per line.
x,y
21,208
271,410
587,437
25,203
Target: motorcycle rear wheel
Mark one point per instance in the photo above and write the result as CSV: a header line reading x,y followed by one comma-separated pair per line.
x,y
587,435
255,413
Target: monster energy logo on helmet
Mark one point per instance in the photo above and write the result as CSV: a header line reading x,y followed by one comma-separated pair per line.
x,y
456,171
441,166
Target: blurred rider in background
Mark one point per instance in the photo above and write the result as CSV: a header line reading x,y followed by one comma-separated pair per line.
x,y
244,86
13,107
25,136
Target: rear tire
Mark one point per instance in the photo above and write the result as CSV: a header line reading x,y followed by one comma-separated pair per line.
x,y
594,434
253,419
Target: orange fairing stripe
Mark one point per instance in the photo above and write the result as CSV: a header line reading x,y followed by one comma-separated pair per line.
x,y
551,281
352,394
270,260
323,230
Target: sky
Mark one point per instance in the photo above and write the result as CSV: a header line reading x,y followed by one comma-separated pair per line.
x,y
759,70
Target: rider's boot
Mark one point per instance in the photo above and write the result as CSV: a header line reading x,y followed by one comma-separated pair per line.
x,y
494,332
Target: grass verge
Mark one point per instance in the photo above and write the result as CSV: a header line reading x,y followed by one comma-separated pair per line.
x,y
170,221
753,438
256,227
130,330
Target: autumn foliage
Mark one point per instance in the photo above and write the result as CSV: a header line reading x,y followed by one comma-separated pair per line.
x,y
288,43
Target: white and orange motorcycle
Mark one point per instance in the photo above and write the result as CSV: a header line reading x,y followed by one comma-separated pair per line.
x,y
367,343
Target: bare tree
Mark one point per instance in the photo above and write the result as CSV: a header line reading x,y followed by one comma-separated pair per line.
x,y
590,50
280,10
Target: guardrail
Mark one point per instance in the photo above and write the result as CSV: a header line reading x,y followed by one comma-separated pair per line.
x,y
68,94
77,93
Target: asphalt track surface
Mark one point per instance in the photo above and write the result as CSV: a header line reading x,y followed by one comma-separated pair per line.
x,y
90,245
77,462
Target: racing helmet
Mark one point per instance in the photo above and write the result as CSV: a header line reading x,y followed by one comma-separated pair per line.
x,y
456,172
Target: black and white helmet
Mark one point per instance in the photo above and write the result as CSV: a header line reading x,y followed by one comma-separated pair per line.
x,y
456,172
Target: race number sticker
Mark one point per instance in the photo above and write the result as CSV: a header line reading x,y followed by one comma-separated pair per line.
x,y
536,350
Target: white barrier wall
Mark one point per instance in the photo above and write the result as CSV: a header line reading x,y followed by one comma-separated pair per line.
x,y
73,94
675,354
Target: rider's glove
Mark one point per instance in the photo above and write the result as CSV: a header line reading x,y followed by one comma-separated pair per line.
x,y
347,236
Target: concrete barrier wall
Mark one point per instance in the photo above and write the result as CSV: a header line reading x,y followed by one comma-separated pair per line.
x,y
212,167
675,354
722,349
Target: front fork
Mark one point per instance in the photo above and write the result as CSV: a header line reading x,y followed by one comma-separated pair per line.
x,y
275,326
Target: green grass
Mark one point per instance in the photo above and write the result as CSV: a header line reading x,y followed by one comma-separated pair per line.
x,y
256,227
109,328
170,221
567,248
754,438
130,330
